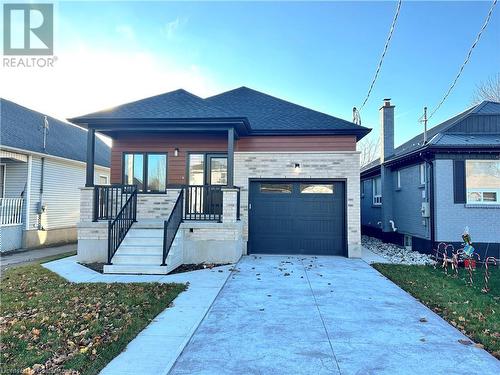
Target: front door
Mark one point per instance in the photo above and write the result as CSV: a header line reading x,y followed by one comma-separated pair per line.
x,y
207,173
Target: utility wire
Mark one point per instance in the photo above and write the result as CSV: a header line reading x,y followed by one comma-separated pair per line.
x,y
490,12
391,31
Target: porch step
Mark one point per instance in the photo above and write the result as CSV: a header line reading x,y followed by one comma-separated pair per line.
x,y
149,224
139,258
136,232
142,241
137,269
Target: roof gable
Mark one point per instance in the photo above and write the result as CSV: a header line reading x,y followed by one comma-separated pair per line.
x,y
22,128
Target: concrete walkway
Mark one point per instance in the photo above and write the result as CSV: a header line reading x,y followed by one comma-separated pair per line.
x,y
323,315
18,258
156,348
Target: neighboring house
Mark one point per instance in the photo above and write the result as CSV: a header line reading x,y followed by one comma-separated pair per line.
x,y
427,190
248,173
42,166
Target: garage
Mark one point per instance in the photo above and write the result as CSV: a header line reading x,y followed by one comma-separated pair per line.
x,y
297,217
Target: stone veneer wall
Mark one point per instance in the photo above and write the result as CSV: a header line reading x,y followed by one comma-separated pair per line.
x,y
341,164
156,206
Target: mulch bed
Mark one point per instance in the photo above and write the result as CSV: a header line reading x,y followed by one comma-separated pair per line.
x,y
196,267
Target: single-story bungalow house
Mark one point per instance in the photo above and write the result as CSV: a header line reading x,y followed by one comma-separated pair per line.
x,y
42,166
429,189
211,179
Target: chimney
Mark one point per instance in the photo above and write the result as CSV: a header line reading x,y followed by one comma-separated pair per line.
x,y
386,130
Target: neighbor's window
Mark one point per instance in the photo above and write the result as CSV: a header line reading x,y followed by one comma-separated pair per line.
x,y
146,170
316,188
377,191
483,181
103,179
276,188
423,179
398,179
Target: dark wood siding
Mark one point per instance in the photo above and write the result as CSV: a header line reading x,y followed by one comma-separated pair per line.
x,y
297,143
189,142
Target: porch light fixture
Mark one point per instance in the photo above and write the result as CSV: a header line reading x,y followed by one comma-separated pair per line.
x,y
297,166
176,152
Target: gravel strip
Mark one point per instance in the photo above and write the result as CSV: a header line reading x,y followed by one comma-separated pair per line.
x,y
394,253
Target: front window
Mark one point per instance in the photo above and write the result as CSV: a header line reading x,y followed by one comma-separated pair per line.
x,y
196,169
146,170
423,179
483,181
377,191
398,178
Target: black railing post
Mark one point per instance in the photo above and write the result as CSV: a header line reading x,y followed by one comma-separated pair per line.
x,y
96,204
110,245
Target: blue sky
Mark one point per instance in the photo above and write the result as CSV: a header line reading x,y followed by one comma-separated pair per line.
x,y
321,55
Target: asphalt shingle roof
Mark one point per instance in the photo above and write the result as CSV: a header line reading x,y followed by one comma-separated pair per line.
x,y
263,112
266,112
178,104
21,128
436,135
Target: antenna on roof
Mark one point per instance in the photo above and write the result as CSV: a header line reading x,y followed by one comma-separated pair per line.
x,y
356,116
45,129
424,120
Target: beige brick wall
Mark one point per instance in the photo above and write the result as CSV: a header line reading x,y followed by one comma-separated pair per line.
x,y
342,165
156,206
86,204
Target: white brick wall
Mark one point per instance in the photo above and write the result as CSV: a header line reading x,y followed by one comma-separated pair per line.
x,y
342,165
156,206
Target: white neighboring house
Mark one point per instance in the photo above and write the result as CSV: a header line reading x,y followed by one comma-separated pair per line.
x,y
42,167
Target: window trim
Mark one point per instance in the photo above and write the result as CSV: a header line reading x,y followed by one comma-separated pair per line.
x,y
4,165
105,176
377,198
422,173
145,169
481,191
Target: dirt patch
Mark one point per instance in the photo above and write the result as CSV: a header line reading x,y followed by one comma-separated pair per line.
x,y
196,267
98,267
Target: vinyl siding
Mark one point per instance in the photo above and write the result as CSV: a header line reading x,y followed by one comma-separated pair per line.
x,y
370,215
407,203
61,193
15,179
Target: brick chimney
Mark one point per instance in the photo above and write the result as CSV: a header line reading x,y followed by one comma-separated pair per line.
x,y
386,130
386,151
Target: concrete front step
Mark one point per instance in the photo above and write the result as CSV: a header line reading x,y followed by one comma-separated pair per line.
x,y
144,233
149,224
139,250
150,259
137,269
142,241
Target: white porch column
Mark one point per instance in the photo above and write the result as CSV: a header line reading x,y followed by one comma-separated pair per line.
x,y
229,205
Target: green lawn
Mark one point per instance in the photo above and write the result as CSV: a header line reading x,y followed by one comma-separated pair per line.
x,y
473,312
50,325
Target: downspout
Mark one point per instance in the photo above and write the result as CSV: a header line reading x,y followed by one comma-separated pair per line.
x,y
41,208
28,193
430,197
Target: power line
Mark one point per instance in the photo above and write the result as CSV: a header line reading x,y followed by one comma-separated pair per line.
x,y
391,31
490,12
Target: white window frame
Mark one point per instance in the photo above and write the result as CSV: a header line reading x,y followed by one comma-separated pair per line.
x,y
377,198
398,179
481,191
423,177
106,177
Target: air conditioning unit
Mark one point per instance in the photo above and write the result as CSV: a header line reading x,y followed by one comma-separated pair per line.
x,y
426,209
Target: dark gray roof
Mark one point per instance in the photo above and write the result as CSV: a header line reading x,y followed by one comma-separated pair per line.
x,y
263,112
178,104
437,137
268,113
21,128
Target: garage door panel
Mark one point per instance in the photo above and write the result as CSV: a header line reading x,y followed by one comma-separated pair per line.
x,y
295,222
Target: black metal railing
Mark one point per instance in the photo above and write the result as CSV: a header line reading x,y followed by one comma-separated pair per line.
x,y
171,226
119,226
109,200
203,202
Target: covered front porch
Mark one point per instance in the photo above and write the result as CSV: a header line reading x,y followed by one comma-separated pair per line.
x,y
172,199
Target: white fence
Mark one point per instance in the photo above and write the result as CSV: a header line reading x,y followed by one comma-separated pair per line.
x,y
11,211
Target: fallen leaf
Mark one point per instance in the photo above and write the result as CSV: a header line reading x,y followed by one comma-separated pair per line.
x,y
423,320
465,342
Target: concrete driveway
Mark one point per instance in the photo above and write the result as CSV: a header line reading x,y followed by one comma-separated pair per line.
x,y
323,315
